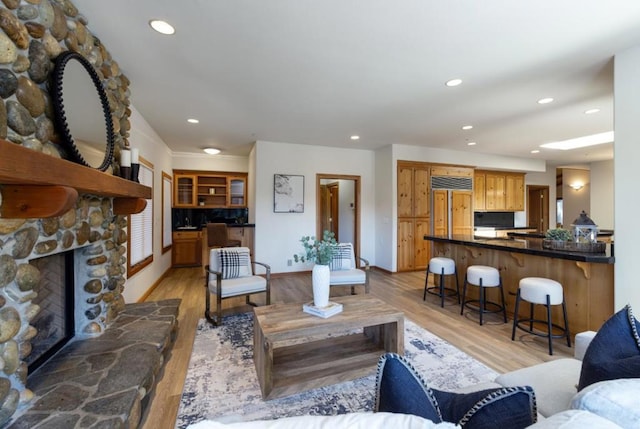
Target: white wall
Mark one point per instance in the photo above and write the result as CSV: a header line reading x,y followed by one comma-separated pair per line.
x,y
574,201
626,176
195,161
602,194
386,208
154,150
278,235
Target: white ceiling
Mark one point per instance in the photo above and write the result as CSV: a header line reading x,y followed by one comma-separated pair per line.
x,y
317,72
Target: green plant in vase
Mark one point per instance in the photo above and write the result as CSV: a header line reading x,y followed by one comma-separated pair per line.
x,y
559,234
318,251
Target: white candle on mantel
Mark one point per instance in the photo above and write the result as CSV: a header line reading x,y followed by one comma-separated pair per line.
x,y
134,156
125,158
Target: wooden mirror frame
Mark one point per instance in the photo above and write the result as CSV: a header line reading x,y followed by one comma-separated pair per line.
x,y
57,95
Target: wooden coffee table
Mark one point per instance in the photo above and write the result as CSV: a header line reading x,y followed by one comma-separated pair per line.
x,y
294,351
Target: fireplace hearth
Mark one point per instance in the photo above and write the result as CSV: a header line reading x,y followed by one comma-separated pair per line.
x,y
55,321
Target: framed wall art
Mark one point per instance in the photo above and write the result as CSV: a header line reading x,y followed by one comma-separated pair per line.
x,y
288,193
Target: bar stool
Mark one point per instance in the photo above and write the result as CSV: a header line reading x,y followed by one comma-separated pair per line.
x,y
541,291
483,277
442,267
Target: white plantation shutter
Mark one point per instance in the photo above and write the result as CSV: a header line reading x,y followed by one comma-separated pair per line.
x,y
141,224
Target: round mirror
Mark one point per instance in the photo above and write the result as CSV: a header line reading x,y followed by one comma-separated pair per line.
x,y
82,111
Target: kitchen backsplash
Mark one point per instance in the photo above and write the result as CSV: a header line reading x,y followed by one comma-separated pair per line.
x,y
493,219
198,217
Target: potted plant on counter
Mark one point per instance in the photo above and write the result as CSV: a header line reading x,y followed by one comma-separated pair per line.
x,y
320,252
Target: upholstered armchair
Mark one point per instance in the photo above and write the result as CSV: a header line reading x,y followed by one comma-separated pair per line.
x,y
345,272
231,273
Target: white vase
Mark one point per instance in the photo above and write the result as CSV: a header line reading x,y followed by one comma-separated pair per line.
x,y
320,278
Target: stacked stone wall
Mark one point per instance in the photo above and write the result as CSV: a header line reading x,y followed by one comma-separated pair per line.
x,y
32,34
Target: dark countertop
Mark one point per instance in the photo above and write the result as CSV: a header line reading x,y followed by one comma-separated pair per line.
x,y
603,233
502,228
522,245
201,227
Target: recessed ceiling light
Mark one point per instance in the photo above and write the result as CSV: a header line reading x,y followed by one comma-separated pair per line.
x,y
453,82
211,150
471,144
591,111
162,27
467,127
535,151
545,100
579,142
355,137
193,121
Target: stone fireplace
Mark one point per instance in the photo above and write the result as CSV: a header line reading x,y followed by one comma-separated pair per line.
x,y
55,323
104,375
34,33
97,239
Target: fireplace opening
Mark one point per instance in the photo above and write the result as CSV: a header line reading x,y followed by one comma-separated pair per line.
x,y
55,322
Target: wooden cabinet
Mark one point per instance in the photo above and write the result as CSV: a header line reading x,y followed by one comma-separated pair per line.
x,y
414,211
184,194
237,191
514,192
479,192
413,191
498,191
440,212
461,212
209,189
494,191
186,250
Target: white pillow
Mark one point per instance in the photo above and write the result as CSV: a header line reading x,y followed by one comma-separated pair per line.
x,y
615,400
341,259
350,421
574,419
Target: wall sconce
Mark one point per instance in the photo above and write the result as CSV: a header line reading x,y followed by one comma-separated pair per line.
x,y
577,186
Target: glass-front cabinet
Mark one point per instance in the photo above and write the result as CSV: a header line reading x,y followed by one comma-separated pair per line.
x,y
209,189
184,190
237,191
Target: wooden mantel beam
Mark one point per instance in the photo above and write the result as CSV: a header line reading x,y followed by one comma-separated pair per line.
x,y
32,201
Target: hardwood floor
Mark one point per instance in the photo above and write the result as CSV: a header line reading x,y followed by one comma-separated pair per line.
x,y
490,343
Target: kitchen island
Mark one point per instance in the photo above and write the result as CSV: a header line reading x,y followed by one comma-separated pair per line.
x,y
587,278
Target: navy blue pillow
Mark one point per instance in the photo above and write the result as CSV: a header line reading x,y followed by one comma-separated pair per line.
x,y
400,389
614,352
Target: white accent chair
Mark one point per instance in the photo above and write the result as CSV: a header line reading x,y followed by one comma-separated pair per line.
x,y
230,273
345,272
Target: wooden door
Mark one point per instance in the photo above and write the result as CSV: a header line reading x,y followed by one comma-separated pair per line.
x,y
479,191
405,245
333,190
538,207
421,186
440,212
405,185
461,212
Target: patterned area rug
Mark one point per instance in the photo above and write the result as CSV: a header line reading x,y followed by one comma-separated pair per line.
x,y
221,382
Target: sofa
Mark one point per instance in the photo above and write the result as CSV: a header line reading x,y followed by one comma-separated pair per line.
x,y
598,388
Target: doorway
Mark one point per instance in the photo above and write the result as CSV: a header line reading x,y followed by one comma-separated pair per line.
x,y
338,207
538,207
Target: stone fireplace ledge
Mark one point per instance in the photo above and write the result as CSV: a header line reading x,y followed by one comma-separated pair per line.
x,y
104,381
